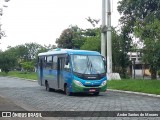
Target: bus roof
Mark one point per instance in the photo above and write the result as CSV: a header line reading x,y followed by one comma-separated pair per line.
x,y
69,51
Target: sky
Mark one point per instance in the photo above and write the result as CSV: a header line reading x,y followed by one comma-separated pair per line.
x,y
42,21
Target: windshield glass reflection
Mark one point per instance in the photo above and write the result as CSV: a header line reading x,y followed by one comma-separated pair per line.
x,y
87,64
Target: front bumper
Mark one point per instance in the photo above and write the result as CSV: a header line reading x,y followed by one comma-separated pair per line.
x,y
76,88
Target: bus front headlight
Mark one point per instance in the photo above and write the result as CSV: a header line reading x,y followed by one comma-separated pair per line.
x,y
104,83
78,83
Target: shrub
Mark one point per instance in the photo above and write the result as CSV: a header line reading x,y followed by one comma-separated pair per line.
x,y
27,66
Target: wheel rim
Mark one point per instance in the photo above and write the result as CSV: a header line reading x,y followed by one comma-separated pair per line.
x,y
67,90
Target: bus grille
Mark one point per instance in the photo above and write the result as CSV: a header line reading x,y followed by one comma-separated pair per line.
x,y
91,85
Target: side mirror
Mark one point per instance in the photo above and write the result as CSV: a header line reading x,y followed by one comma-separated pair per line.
x,y
104,59
105,62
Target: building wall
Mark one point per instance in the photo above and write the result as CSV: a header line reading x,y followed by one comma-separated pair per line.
x,y
137,67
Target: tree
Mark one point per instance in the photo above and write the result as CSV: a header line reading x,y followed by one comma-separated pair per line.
x,y
120,48
150,34
7,62
27,52
65,39
136,10
47,47
27,66
20,52
93,22
74,37
22,56
92,36
32,49
70,38
140,16
92,39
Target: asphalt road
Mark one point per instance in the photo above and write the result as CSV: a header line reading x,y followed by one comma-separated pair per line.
x,y
30,96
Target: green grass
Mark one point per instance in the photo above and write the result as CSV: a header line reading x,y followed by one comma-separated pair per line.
x,y
19,74
145,86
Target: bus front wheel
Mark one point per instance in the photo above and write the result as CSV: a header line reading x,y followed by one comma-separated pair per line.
x,y
66,89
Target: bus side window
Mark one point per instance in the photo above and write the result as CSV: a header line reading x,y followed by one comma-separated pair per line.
x,y
49,62
67,64
44,59
54,66
40,62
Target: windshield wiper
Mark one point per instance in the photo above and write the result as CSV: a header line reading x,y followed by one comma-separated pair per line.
x,y
92,69
88,64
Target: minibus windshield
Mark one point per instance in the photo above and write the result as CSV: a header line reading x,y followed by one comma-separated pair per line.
x,y
87,64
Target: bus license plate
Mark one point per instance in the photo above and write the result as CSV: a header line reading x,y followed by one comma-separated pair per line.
x,y
92,90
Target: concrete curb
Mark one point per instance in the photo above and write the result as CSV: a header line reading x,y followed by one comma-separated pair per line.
x,y
137,93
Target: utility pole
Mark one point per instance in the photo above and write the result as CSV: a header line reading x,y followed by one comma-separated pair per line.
x,y
103,29
109,36
106,34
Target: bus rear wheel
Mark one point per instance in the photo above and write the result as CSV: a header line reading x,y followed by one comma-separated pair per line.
x,y
47,87
66,90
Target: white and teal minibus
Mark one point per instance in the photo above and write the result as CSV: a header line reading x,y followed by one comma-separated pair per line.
x,y
73,71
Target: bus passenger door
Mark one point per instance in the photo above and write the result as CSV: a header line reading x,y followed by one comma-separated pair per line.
x,y
60,81
40,75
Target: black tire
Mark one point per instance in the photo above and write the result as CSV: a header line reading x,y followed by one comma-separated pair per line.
x,y
96,93
47,87
66,90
